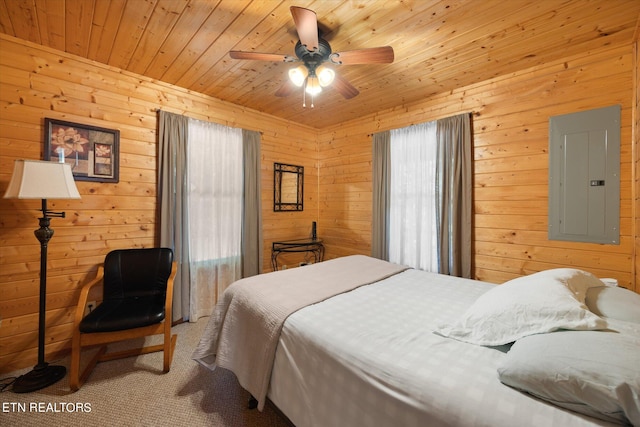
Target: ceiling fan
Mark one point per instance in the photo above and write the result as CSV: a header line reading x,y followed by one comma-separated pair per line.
x,y
315,54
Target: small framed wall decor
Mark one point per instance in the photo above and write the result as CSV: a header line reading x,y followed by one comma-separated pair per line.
x,y
288,187
93,152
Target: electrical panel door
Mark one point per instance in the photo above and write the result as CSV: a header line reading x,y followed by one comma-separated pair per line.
x,y
584,176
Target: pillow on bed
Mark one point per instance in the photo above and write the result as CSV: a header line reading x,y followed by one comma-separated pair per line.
x,y
615,303
538,303
591,372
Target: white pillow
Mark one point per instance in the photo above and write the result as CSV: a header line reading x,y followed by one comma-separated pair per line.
x,y
615,303
592,372
538,303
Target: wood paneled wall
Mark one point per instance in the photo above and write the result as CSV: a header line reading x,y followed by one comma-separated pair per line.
x,y
636,159
510,121
36,83
510,140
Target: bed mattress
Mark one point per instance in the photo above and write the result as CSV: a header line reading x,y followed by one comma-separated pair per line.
x,y
369,357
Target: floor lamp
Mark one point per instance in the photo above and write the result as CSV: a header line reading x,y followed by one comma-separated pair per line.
x,y
33,179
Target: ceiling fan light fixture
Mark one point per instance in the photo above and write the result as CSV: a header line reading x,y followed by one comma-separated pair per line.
x,y
313,86
313,52
298,75
325,75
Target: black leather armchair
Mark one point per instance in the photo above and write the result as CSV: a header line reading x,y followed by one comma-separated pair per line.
x,y
137,302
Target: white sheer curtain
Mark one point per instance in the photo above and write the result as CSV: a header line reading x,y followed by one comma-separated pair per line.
x,y
214,194
413,238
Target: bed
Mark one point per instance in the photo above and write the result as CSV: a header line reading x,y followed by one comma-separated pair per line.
x,y
360,341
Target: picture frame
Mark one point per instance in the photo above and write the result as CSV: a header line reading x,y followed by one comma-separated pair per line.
x,y
288,187
93,152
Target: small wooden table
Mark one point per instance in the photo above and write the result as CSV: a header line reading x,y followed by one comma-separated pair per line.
x,y
313,246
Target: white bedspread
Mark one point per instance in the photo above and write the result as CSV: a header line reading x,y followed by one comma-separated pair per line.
x,y
369,358
243,332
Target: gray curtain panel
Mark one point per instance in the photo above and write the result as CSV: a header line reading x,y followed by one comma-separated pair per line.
x,y
453,190
381,194
172,178
252,206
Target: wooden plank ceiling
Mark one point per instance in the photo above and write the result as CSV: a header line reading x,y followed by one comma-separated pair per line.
x,y
439,45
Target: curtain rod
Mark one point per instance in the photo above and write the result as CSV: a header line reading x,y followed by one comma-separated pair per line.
x,y
471,113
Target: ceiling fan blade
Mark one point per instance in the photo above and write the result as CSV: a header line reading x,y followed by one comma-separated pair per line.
x,y
307,26
236,54
374,55
286,89
345,88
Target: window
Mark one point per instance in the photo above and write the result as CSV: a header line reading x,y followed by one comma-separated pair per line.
x,y
215,200
412,212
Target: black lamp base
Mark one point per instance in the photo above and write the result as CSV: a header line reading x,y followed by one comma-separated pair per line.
x,y
40,376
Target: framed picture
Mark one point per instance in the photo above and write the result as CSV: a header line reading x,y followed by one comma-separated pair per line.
x,y
92,152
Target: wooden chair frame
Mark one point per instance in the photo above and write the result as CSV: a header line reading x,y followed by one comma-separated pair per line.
x,y
80,340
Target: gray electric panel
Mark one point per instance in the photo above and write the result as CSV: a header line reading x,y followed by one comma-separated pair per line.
x,y
584,176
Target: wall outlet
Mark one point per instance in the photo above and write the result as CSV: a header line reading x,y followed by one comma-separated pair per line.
x,y
89,307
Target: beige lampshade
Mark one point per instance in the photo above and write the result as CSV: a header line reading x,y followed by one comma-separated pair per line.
x,y
313,86
325,75
35,179
298,75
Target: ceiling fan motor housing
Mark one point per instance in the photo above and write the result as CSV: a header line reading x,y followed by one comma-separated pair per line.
x,y
312,59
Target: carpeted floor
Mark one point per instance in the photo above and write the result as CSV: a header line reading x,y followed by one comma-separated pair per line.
x,y
135,392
